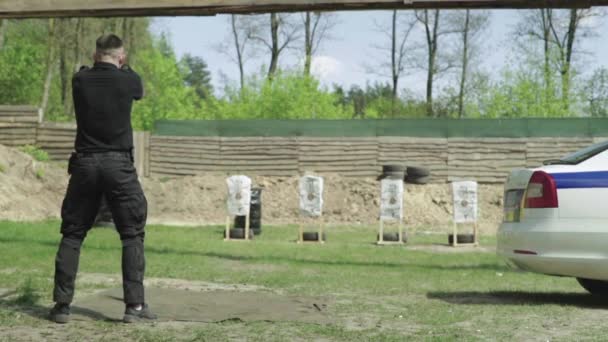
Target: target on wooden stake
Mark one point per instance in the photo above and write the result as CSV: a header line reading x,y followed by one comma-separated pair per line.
x,y
239,195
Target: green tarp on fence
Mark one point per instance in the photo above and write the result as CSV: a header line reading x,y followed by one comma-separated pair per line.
x,y
438,128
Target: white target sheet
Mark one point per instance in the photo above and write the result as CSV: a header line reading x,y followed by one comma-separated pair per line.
x,y
239,195
465,201
311,196
391,199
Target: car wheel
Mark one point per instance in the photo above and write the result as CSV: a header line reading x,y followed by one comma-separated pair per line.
x,y
461,238
595,287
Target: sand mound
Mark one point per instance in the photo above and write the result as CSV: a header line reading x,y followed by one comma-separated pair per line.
x,y
31,190
348,201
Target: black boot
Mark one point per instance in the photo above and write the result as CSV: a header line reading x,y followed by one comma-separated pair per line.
x,y
60,313
132,315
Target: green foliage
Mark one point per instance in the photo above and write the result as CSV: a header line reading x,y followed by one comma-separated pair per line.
x,y
36,152
40,174
166,96
2,168
287,96
21,64
196,75
595,93
181,89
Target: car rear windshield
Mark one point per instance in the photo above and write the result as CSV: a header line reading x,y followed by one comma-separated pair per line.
x,y
586,153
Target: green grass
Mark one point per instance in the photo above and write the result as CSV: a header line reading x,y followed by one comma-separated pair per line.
x,y
379,293
36,152
40,174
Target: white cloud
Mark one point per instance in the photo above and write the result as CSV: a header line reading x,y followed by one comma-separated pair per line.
x,y
326,68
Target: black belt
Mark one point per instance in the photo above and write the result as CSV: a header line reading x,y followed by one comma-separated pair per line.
x,y
103,153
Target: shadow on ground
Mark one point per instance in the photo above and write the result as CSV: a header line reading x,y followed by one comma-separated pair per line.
x,y
581,300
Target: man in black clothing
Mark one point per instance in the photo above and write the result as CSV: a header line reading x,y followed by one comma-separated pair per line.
x,y
103,165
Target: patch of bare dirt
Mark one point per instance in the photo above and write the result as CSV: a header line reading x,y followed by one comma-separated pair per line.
x,y
111,280
348,201
440,248
31,190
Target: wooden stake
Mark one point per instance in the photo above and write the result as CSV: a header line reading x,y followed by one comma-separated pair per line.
x,y
227,237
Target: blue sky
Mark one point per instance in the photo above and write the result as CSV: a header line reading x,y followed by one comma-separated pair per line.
x,y
342,59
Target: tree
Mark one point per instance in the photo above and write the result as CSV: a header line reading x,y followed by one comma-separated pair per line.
x,y
3,25
167,97
434,66
397,35
238,45
564,37
536,25
283,33
316,28
197,75
560,31
469,26
595,93
50,65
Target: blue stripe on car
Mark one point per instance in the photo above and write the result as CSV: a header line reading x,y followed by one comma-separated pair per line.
x,y
578,180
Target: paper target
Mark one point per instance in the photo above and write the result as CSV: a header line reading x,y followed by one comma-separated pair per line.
x,y
311,196
465,201
239,195
391,199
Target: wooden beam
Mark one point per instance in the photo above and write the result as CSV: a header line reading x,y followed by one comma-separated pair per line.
x,y
102,8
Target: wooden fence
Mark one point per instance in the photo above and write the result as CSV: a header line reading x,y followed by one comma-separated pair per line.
x,y
487,160
18,125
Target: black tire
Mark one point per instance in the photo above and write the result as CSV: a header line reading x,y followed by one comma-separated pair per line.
x,y
417,180
417,171
313,236
391,237
461,238
595,287
393,168
255,225
394,175
239,233
239,222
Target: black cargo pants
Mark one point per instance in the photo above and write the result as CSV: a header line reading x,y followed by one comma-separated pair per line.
x,y
92,175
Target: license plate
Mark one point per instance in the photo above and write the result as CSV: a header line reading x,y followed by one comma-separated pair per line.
x,y
512,209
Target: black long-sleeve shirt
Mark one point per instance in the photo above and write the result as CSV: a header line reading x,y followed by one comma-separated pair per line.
x,y
103,99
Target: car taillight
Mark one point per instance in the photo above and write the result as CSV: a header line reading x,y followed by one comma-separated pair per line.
x,y
542,191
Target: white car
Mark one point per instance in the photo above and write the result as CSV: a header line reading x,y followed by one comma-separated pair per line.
x,y
556,218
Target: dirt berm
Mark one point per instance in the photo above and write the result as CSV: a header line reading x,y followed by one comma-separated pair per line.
x,y
31,190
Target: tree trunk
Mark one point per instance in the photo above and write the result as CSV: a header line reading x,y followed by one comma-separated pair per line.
x,y
50,63
80,24
431,36
547,17
307,46
394,66
126,39
568,59
239,53
465,62
274,55
63,75
3,24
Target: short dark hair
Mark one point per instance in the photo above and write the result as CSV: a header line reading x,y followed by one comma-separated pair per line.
x,y
108,42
